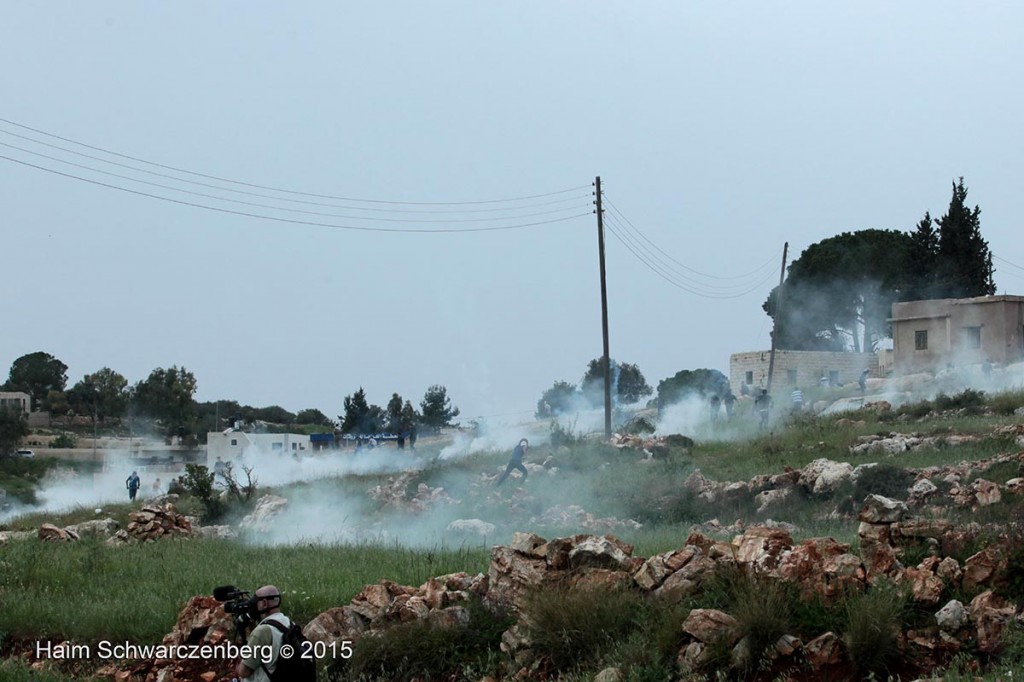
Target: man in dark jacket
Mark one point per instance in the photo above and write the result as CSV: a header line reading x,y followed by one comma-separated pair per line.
x,y
516,462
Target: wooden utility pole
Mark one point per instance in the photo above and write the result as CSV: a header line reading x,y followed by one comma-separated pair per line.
x,y
605,360
778,314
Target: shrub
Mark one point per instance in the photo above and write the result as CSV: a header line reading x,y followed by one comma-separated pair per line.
x,y
564,435
572,627
969,399
763,612
1006,403
64,440
425,650
199,481
887,480
873,622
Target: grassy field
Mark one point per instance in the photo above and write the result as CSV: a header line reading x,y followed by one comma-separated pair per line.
x,y
87,591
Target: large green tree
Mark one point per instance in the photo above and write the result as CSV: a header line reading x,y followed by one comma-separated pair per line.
x,y
701,383
313,416
557,400
37,374
102,394
628,382
360,417
840,291
964,260
436,410
166,394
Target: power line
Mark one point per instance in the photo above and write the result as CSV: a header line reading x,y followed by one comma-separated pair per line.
x,y
295,192
654,259
626,240
268,196
766,265
295,210
291,220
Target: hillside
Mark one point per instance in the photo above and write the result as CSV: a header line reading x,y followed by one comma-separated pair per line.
x,y
881,541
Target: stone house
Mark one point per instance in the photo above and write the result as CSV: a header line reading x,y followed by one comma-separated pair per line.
x,y
798,368
931,335
17,400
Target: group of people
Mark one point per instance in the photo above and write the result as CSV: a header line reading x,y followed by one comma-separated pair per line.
x,y
133,484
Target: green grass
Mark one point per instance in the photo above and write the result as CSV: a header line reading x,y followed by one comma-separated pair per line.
x,y
88,591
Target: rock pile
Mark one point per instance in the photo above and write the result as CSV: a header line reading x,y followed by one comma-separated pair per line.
x,y
154,523
397,493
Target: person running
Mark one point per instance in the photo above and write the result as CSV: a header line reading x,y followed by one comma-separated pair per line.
x,y
133,484
516,462
763,404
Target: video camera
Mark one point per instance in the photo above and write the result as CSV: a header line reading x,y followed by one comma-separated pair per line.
x,y
239,604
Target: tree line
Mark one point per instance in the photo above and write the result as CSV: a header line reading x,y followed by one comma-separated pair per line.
x,y
167,397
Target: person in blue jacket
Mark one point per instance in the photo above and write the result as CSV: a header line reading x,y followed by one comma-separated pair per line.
x,y
516,462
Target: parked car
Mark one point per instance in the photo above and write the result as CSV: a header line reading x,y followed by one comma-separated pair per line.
x,y
24,453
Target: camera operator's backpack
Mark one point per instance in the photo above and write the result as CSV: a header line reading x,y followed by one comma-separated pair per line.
x,y
300,666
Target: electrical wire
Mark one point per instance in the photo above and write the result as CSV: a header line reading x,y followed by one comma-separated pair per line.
x,y
699,287
291,220
767,264
288,191
295,210
629,242
271,197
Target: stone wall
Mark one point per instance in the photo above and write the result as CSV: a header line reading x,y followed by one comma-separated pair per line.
x,y
798,368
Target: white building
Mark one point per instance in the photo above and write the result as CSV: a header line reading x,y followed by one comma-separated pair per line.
x,y
232,445
16,399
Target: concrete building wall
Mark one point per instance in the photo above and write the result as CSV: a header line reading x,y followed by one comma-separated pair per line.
x,y
233,445
797,368
929,335
22,401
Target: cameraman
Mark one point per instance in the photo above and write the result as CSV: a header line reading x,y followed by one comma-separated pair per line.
x,y
267,606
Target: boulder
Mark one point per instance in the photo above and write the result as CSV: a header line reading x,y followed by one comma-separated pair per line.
x,y
824,475
824,651
267,509
987,568
878,509
598,552
51,533
986,492
711,625
952,616
761,547
990,614
100,528
511,574
336,625
769,498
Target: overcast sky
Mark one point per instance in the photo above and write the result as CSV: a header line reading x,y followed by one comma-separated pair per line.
x,y
720,131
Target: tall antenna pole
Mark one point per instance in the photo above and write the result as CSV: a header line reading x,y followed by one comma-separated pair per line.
x,y
778,314
605,360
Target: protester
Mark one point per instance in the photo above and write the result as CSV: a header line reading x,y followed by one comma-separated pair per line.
x,y
797,396
729,401
763,404
516,462
133,484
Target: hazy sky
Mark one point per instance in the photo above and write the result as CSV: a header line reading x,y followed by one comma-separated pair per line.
x,y
720,131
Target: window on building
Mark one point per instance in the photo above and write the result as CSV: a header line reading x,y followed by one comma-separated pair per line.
x,y
295,446
921,340
234,441
749,378
277,446
972,337
833,377
791,376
